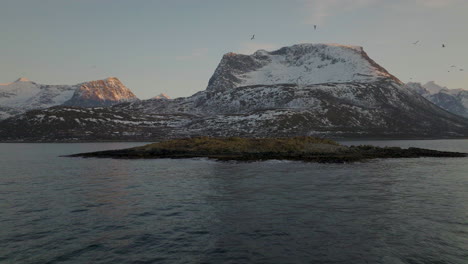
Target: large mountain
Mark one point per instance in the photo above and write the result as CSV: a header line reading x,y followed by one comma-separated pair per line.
x,y
452,100
23,95
302,64
323,90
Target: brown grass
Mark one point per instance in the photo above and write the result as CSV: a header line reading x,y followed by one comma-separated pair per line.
x,y
243,145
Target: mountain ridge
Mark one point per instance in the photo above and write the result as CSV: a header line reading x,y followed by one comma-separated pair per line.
x,y
293,91
452,100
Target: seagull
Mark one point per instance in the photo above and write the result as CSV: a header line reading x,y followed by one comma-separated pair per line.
x,y
453,66
443,45
315,27
415,42
253,37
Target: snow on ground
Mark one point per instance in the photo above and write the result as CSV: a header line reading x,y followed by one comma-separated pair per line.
x,y
17,93
23,95
319,63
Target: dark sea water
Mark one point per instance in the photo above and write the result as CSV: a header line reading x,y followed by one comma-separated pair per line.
x,y
74,210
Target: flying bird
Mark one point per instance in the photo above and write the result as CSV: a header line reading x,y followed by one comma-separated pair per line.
x,y
461,70
453,66
315,27
443,45
253,37
415,42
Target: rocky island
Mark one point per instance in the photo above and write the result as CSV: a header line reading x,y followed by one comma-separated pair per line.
x,y
309,149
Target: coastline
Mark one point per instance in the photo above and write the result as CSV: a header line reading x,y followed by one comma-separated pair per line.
x,y
306,149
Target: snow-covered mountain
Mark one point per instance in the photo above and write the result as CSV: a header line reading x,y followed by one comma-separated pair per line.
x,y
325,90
452,100
302,64
24,95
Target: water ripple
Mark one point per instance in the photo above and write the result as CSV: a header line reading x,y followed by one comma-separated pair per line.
x,y
61,210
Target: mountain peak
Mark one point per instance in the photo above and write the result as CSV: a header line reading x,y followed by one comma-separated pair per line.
x,y
112,79
108,91
433,87
22,79
308,47
162,96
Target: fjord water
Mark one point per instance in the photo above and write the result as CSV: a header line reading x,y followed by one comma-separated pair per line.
x,y
74,210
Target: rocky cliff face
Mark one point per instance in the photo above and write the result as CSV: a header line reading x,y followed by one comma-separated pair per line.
x,y
24,95
101,93
319,90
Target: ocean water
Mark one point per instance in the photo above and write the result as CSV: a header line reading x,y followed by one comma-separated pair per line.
x,y
74,210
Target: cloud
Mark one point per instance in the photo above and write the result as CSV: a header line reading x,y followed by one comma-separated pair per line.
x,y
251,47
197,53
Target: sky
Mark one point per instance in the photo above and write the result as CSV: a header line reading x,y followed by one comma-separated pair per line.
x,y
174,46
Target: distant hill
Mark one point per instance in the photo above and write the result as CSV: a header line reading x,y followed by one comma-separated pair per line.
x,y
452,100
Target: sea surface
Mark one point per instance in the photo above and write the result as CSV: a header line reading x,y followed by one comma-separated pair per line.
x,y
73,210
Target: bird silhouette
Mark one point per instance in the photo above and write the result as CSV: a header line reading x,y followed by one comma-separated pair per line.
x,y
416,42
253,37
461,70
443,45
315,27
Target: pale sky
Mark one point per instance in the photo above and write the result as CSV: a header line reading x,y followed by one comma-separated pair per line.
x,y
174,46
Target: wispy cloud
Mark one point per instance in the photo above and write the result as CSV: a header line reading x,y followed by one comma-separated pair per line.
x,y
196,53
320,10
251,47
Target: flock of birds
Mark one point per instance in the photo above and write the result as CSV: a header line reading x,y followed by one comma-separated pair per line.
x,y
453,67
